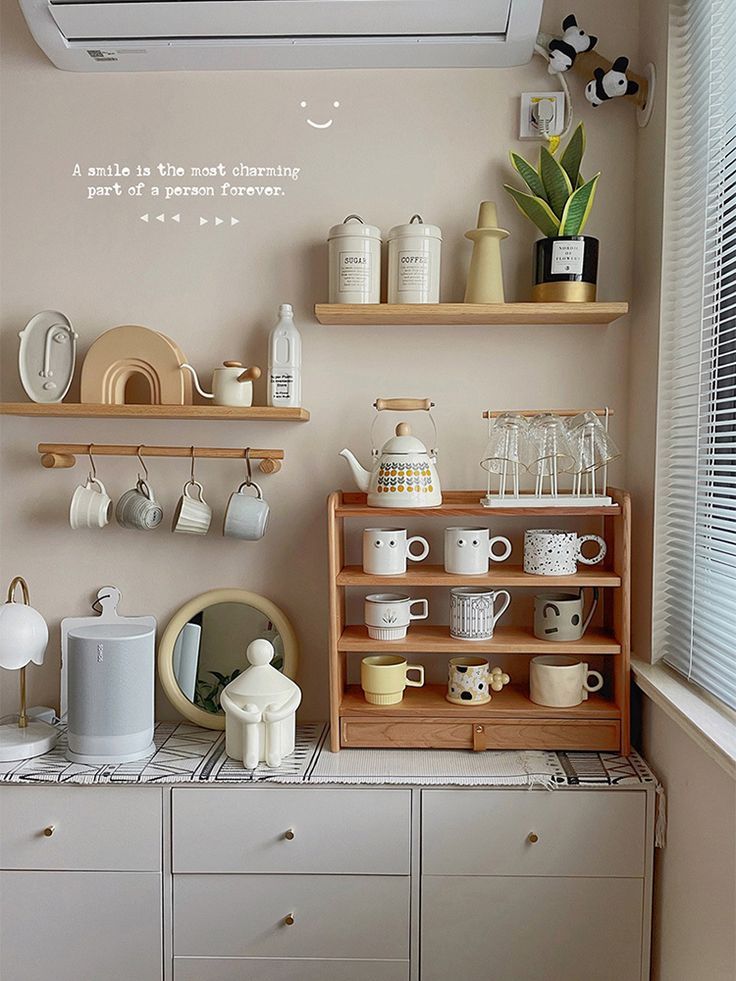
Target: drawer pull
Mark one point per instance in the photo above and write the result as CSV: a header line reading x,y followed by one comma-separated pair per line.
x,y
289,835
47,832
533,837
289,919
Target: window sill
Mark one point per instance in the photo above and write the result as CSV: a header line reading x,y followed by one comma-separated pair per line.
x,y
712,728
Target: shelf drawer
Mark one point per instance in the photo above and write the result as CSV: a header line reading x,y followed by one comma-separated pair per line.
x,y
580,833
286,969
598,735
537,929
95,829
335,916
361,832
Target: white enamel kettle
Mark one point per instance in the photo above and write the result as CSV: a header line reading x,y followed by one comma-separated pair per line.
x,y
232,384
404,473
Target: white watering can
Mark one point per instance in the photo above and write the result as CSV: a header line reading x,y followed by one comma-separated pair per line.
x,y
231,385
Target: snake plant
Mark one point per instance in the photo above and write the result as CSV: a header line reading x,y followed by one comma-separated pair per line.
x,y
561,199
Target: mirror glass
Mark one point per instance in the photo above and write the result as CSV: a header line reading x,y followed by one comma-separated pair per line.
x,y
209,650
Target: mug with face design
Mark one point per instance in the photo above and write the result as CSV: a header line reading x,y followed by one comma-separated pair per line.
x,y
560,616
385,551
561,682
554,552
468,551
473,612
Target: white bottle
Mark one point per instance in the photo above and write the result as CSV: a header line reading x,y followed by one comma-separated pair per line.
x,y
285,361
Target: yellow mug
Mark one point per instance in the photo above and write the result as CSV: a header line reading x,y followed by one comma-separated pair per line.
x,y
383,678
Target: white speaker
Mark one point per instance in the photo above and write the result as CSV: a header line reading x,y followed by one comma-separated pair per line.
x,y
108,686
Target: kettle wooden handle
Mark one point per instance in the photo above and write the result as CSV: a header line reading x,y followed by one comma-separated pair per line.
x,y
403,405
250,374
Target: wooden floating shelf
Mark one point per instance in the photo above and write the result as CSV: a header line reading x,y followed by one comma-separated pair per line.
x,y
77,410
434,639
462,504
468,314
501,576
509,703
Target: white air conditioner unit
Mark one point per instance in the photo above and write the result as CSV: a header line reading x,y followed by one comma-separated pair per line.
x,y
184,35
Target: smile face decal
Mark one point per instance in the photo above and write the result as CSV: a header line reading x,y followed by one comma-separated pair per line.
x,y
318,125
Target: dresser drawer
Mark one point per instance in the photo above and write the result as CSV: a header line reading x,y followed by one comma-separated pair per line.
x,y
291,969
579,832
364,832
93,829
335,916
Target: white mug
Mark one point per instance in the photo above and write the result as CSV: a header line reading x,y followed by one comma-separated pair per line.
x,y
561,682
387,615
91,506
469,550
554,552
138,508
193,514
385,551
473,611
246,517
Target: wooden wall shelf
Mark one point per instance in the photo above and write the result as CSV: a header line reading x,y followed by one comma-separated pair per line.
x,y
77,410
468,314
425,719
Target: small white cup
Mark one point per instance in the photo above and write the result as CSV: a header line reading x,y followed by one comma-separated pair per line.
x,y
468,551
90,507
246,517
388,615
193,514
561,682
385,551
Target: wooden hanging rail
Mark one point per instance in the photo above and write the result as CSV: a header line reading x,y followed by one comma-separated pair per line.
x,y
64,455
566,413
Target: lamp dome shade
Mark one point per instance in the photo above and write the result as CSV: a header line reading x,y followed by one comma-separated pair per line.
x,y
23,636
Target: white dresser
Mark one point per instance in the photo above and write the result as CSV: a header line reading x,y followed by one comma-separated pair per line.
x,y
255,881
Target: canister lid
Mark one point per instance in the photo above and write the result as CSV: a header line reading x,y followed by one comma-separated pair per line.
x,y
353,226
416,228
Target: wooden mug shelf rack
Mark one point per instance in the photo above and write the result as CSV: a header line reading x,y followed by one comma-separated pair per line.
x,y
424,718
64,455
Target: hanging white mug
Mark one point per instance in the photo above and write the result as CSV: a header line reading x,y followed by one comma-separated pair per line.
x,y
193,514
246,517
138,508
90,506
385,551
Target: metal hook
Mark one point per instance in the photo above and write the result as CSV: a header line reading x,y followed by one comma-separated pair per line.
x,y
92,467
191,471
18,581
140,460
249,477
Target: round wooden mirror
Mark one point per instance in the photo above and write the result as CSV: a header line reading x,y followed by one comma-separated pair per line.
x,y
203,649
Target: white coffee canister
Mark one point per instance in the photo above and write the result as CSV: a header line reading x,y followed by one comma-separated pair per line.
x,y
414,256
355,262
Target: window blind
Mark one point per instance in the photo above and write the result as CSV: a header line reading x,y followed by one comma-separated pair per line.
x,y
694,617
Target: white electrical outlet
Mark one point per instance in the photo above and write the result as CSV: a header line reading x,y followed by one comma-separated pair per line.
x,y
529,125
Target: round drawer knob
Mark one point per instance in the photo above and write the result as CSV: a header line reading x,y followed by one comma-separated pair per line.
x,y
47,832
289,835
533,837
289,919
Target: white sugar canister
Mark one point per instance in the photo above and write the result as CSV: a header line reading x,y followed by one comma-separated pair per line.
x,y
355,262
414,254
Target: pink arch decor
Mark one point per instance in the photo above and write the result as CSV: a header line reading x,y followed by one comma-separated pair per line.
x,y
128,351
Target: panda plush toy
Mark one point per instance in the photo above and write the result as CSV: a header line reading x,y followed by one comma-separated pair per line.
x,y
611,84
564,50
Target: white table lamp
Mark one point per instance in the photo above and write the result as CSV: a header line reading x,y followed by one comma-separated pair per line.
x,y
23,638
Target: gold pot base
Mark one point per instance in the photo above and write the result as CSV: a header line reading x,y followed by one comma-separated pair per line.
x,y
564,293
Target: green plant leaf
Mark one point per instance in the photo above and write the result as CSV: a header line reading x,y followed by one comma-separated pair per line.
x,y
578,208
556,182
535,210
581,181
572,158
529,175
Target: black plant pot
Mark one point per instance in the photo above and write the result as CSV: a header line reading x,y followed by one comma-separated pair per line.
x,y
565,269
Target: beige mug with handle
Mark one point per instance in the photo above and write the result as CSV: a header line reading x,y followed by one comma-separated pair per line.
x,y
383,678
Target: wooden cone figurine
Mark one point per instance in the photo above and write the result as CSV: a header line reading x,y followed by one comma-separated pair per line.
x,y
260,710
485,276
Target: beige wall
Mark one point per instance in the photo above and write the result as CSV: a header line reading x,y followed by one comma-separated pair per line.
x,y
402,142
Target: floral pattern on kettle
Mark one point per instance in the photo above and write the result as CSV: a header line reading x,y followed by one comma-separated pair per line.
x,y
409,477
